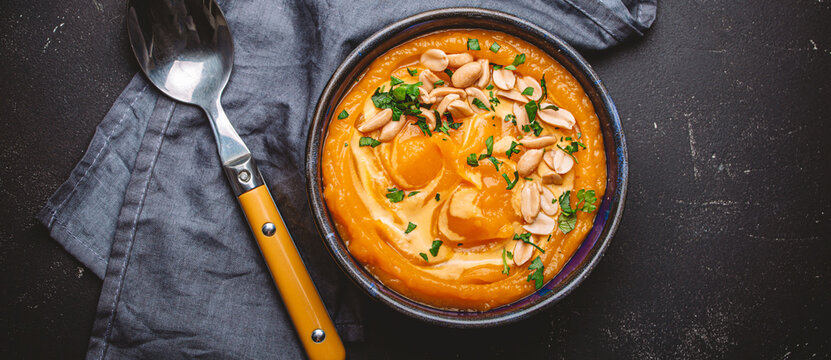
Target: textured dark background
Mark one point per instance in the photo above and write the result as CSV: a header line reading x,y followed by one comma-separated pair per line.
x,y
724,247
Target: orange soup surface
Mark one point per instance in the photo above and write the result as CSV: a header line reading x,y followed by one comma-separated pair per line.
x,y
464,178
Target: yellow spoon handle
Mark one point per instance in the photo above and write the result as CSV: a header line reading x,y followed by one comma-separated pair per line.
x,y
312,323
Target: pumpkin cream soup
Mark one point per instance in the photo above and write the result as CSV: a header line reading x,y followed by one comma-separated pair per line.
x,y
463,168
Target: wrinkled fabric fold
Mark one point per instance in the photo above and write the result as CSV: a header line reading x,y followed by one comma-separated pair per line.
x,y
148,209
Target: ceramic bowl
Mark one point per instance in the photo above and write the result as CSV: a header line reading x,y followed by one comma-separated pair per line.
x,y
608,213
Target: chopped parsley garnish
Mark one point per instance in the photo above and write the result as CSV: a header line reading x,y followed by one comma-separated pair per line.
x,y
368,141
395,195
434,249
488,147
423,256
549,235
510,67
422,124
403,100
544,88
479,104
511,118
572,148
473,160
512,150
528,91
437,83
345,144
526,238
473,44
438,197
412,193
343,115
413,72
410,228
495,47
448,72
395,81
519,60
552,106
533,126
538,274
495,162
529,179
531,109
511,184
505,268
586,200
493,99
489,87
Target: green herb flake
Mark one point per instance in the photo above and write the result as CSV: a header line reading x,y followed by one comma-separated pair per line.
x,y
395,195
495,162
519,60
531,109
368,141
448,72
413,72
544,88
438,197
402,100
343,115
422,124
496,67
493,99
434,249
489,87
438,83
423,256
538,274
528,91
473,44
412,193
536,127
586,200
395,81
526,238
510,67
552,106
512,150
511,184
410,228
473,160
495,48
480,104
511,118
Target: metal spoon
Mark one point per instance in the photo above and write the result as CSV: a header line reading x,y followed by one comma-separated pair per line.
x,y
185,49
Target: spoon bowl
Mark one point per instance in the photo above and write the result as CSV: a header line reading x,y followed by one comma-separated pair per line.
x,y
187,57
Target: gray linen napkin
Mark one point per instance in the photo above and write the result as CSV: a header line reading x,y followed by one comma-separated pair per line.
x,y
148,209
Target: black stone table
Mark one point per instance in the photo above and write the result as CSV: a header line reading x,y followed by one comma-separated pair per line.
x,y
725,246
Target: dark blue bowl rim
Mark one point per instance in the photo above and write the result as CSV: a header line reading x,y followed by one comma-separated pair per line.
x,y
609,212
